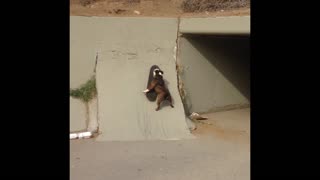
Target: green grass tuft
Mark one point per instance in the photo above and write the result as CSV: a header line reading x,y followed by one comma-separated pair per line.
x,y
86,92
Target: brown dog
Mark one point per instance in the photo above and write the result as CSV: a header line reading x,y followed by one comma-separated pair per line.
x,y
157,84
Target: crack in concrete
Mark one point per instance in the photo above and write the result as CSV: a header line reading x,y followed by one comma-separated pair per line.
x,y
95,66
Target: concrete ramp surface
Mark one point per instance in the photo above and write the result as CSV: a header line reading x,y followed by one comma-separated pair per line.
x,y
125,54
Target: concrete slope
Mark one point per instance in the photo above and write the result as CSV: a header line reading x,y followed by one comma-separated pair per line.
x,y
127,51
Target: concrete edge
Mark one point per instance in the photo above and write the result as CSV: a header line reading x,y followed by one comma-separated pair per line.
x,y
216,25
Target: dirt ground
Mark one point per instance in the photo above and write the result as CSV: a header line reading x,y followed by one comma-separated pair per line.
x,y
155,8
221,151
233,126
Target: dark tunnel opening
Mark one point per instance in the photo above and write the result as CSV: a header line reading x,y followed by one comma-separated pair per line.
x,y
229,55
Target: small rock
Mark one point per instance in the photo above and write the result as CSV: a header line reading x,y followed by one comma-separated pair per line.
x,y
137,12
221,10
118,11
196,116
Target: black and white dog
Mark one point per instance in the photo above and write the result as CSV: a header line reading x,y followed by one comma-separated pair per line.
x,y
157,85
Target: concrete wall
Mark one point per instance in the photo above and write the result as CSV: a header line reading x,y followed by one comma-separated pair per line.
x,y
216,71
83,50
77,115
215,25
82,63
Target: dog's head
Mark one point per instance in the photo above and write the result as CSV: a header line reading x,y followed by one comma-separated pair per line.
x,y
157,73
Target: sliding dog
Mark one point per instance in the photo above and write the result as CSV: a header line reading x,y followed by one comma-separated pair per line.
x,y
158,86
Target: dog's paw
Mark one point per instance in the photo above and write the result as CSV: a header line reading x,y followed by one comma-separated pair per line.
x,y
145,91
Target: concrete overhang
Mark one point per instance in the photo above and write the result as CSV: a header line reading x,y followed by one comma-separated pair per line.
x,y
219,25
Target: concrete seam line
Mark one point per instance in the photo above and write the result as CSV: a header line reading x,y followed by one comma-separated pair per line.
x,y
177,48
95,74
95,66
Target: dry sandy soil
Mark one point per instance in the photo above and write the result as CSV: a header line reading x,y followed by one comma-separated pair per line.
x,y
233,126
155,8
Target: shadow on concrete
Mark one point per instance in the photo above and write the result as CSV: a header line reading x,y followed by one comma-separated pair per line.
x,y
230,55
